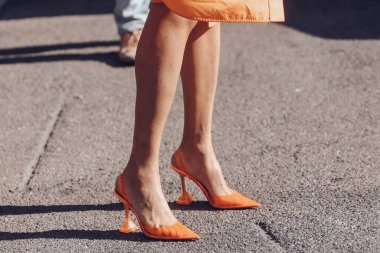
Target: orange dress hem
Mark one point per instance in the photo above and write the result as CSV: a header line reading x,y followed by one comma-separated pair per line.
x,y
248,13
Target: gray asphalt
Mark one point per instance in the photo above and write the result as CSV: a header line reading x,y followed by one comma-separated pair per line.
x,y
296,127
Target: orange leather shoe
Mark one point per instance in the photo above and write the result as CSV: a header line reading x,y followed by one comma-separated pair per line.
x,y
177,231
235,200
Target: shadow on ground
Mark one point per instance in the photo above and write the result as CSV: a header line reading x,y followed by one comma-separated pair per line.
x,y
75,234
67,234
82,234
337,19
38,209
24,9
19,9
21,210
32,54
333,19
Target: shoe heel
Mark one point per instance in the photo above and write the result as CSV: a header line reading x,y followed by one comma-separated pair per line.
x,y
185,198
128,225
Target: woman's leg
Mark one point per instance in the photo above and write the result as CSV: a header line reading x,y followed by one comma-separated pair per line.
x,y
199,79
158,63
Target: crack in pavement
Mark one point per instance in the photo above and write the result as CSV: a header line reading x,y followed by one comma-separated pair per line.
x,y
268,233
41,147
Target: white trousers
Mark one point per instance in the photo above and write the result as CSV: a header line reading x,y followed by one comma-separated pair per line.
x,y
130,14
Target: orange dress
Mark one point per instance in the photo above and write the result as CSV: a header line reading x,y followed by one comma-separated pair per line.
x,y
227,10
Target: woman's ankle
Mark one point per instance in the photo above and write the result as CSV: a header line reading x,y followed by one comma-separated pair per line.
x,y
196,148
140,171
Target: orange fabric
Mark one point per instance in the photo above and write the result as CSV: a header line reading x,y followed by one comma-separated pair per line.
x,y
228,10
235,200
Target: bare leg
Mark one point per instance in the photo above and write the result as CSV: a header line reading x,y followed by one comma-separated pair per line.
x,y
158,63
199,78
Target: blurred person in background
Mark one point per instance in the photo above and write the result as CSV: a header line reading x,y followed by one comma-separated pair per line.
x,y
130,17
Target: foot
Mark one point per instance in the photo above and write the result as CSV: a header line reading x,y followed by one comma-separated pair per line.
x,y
128,46
202,164
144,193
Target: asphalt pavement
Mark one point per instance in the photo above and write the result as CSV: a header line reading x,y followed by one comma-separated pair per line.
x,y
296,127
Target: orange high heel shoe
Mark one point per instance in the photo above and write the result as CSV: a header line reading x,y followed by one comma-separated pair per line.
x,y
177,231
235,200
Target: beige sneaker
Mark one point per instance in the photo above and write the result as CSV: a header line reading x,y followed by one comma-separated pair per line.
x,y
128,46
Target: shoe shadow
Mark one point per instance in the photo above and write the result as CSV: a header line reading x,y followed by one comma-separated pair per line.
x,y
75,234
195,206
9,210
66,233
21,210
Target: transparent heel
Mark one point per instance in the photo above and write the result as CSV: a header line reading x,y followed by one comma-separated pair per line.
x,y
128,225
235,200
176,231
185,198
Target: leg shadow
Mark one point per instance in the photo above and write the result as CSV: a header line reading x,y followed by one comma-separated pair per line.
x,y
83,234
21,210
195,206
75,234
338,19
33,54
55,47
67,234
19,9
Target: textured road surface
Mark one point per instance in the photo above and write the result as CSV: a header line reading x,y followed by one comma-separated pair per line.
x,y
296,126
